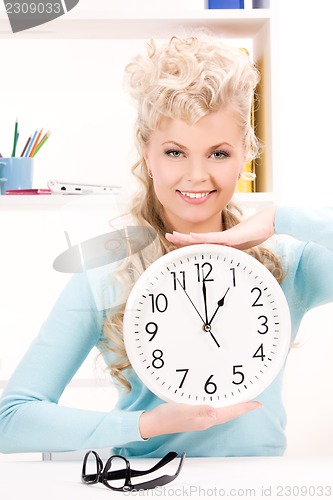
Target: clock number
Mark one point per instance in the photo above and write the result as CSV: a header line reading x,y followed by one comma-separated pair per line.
x,y
151,328
264,324
256,303
259,353
204,272
241,374
157,361
185,374
232,269
176,279
210,387
159,303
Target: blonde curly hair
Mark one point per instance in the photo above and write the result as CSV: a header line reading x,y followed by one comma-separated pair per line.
x,y
186,79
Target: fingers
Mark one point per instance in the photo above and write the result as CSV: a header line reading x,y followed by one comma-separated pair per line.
x,y
179,239
235,411
227,238
205,417
170,418
195,238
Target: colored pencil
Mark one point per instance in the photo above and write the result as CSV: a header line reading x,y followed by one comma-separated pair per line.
x,y
15,138
25,147
30,144
42,142
35,143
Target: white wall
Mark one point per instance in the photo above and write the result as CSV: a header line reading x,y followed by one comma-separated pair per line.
x,y
303,83
77,94
75,91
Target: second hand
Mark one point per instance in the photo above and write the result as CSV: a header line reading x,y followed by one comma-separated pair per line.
x,y
187,295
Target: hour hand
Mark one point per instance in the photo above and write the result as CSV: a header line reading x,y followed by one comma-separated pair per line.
x,y
220,303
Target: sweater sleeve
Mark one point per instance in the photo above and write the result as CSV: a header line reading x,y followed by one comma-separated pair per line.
x,y
30,417
312,273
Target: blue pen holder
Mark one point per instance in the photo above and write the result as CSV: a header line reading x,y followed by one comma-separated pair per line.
x,y
226,4
16,173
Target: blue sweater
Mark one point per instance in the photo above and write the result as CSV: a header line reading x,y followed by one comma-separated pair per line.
x,y
31,420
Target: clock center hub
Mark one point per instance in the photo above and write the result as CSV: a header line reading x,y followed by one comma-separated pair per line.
x,y
206,328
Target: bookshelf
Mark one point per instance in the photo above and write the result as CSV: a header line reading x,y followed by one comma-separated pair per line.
x,y
254,24
142,23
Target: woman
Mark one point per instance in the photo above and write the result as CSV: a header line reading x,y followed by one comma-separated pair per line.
x,y
194,137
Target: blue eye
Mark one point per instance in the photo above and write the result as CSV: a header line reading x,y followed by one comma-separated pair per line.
x,y
219,155
174,153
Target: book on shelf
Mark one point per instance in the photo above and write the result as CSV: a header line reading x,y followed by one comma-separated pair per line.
x,y
225,4
28,191
247,184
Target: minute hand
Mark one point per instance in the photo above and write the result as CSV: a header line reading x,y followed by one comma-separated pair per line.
x,y
219,304
204,293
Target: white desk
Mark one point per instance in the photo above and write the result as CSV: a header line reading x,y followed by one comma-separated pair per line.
x,y
200,478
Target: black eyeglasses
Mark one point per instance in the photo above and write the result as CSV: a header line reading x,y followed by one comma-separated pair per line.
x,y
117,473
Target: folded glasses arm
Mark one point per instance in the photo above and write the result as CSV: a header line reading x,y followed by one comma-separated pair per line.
x,y
120,474
160,481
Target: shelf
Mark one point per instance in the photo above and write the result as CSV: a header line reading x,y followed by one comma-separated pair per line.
x,y
108,24
102,202
55,202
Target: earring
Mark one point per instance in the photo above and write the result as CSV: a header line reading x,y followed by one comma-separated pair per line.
x,y
247,176
150,173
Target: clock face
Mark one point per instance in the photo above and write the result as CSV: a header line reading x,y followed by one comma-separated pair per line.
x,y
207,324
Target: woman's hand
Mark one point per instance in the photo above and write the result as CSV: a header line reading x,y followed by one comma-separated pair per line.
x,y
248,233
169,418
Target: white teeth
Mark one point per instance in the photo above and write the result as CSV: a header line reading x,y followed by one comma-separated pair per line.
x,y
194,195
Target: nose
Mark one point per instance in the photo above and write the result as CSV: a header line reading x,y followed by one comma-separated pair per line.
x,y
197,170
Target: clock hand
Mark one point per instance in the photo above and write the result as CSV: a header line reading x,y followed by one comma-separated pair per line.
x,y
205,299
187,295
206,326
219,304
213,337
216,342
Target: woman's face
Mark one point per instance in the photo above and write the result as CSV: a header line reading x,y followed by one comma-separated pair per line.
x,y
195,169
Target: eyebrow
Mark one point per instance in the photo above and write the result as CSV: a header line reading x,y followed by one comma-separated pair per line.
x,y
211,148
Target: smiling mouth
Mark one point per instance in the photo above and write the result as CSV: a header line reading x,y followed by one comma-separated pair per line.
x,y
195,195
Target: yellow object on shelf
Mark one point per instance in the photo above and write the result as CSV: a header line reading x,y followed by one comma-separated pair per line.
x,y
247,182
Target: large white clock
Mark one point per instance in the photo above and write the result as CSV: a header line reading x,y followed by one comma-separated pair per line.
x,y
207,324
